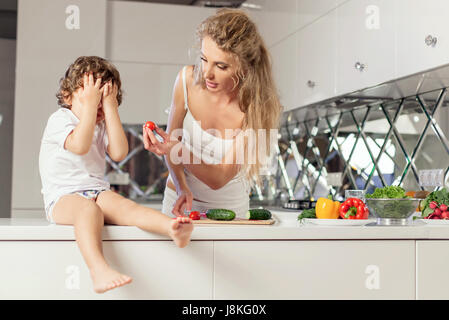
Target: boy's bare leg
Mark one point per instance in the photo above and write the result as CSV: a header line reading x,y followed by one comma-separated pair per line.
x,y
121,211
88,220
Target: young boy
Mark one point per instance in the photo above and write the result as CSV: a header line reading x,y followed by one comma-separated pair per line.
x,y
72,166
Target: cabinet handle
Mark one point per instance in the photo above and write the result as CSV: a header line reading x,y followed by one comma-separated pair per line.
x,y
311,84
359,66
431,41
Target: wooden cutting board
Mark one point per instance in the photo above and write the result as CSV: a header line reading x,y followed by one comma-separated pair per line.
x,y
235,221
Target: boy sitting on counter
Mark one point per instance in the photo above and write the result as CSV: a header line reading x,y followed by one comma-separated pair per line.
x,y
72,166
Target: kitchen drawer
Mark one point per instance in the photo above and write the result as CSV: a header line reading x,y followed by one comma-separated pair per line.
x,y
56,270
432,261
366,44
359,269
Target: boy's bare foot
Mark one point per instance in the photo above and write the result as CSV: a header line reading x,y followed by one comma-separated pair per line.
x,y
106,278
180,230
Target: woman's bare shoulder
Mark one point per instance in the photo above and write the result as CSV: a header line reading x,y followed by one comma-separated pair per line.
x,y
190,76
178,85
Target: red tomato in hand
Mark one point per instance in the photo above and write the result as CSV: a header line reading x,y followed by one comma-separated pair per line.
x,y
150,125
195,215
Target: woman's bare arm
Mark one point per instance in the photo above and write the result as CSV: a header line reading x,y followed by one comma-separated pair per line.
x,y
175,121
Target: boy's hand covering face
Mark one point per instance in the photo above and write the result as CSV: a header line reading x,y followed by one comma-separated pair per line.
x,y
90,93
110,91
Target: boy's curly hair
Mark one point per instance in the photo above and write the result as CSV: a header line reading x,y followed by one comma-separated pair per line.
x,y
73,77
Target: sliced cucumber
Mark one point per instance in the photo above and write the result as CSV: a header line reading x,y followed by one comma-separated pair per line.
x,y
220,214
258,214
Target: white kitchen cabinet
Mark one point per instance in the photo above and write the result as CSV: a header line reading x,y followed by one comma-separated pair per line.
x,y
275,20
153,33
316,62
148,90
279,19
359,269
56,270
416,21
310,10
366,44
432,261
284,65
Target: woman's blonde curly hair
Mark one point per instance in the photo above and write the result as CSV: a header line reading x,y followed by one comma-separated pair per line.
x,y
234,32
73,77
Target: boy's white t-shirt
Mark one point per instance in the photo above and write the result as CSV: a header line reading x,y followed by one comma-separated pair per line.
x,y
63,172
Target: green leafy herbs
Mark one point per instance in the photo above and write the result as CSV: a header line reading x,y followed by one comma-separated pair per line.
x,y
308,213
440,196
392,208
390,192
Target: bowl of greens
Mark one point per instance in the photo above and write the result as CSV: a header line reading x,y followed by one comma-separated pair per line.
x,y
391,206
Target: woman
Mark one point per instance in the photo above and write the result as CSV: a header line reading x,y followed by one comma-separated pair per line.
x,y
229,88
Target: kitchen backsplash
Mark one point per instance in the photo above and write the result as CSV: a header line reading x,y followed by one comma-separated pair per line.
x,y
357,144
366,143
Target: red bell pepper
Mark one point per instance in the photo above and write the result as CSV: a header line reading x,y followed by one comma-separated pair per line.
x,y
353,208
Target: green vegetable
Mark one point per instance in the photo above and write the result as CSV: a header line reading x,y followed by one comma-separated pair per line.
x,y
426,211
393,208
220,214
389,192
308,213
440,197
258,214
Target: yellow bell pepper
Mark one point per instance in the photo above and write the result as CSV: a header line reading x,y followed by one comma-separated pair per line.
x,y
327,209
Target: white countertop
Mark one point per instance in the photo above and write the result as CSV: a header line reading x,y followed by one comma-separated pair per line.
x,y
285,228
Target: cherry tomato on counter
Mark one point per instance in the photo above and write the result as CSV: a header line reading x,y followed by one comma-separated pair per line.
x,y
195,215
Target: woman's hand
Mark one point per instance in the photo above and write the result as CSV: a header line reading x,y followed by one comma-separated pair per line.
x,y
151,143
184,202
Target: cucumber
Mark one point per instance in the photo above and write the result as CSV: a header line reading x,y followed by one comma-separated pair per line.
x,y
220,214
258,214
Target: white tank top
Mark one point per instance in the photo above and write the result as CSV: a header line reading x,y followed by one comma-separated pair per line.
x,y
235,194
210,147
